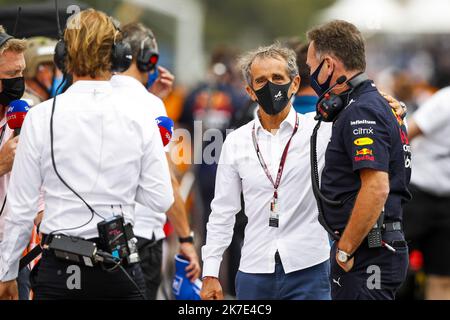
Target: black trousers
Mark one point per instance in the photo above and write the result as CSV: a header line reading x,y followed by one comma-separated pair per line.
x,y
377,273
55,279
150,253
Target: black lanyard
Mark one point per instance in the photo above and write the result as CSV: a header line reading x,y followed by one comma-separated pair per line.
x,y
275,184
2,134
1,140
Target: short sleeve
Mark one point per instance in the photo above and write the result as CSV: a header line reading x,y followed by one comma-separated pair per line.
x,y
434,113
366,138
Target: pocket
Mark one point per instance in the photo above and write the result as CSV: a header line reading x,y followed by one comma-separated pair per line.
x,y
399,263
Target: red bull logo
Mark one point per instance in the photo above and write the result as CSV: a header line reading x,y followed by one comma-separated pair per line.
x,y
364,152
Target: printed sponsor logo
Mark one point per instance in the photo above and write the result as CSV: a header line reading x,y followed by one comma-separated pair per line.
x,y
278,96
363,141
404,137
364,152
364,158
359,122
363,131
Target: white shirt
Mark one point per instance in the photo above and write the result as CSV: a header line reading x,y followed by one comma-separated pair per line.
x,y
105,149
147,221
431,151
300,240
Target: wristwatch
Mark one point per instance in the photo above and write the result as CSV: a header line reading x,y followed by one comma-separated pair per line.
x,y
343,256
189,239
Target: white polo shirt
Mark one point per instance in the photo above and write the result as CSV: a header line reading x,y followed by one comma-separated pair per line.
x,y
431,151
147,221
300,240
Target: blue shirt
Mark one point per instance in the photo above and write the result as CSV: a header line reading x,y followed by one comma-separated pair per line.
x,y
305,104
366,134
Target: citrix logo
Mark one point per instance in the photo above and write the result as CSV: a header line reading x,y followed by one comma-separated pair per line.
x,y
361,131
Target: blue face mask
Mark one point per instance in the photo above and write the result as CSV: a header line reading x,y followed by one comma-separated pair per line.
x,y
56,82
317,87
152,76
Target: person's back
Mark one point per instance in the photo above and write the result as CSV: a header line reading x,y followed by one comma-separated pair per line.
x,y
95,154
98,147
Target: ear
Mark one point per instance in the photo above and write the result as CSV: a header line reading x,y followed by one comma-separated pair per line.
x,y
330,65
251,93
295,84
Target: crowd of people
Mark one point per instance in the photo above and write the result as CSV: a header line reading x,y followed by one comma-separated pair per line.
x,y
302,169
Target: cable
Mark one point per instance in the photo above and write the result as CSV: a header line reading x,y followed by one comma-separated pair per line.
x,y
93,212
133,282
315,184
16,24
3,205
58,23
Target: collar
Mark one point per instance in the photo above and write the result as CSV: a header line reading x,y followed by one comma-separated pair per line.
x,y
288,121
124,80
90,86
305,104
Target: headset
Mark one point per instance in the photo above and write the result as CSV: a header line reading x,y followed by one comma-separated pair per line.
x,y
121,55
328,109
4,37
147,58
330,104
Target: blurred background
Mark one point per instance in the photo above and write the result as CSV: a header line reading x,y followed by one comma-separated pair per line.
x,y
199,40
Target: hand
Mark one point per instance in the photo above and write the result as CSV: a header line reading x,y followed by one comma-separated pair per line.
x,y
8,290
345,266
7,154
38,219
163,86
193,269
399,107
211,289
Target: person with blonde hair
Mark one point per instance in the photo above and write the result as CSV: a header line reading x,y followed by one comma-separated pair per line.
x,y
95,154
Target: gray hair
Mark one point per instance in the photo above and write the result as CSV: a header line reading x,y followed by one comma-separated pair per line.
x,y
273,51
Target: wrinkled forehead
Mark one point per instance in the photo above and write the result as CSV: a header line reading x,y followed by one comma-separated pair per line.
x,y
265,65
11,62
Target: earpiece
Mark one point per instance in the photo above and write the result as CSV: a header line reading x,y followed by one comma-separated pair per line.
x,y
147,58
4,37
330,104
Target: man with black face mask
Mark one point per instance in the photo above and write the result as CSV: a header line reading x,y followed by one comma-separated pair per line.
x,y
12,64
367,169
285,252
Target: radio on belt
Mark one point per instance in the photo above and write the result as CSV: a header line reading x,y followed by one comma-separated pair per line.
x,y
74,249
116,238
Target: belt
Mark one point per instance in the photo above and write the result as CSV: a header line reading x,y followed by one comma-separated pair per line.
x,y
48,238
392,226
387,227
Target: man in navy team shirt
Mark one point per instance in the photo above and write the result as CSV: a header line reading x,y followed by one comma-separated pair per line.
x,y
367,169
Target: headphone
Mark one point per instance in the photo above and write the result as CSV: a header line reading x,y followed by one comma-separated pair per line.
x,y
147,58
121,55
4,37
331,104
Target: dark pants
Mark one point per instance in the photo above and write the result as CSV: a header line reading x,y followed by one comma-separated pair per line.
x,y
376,274
307,284
150,253
427,228
55,279
23,283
